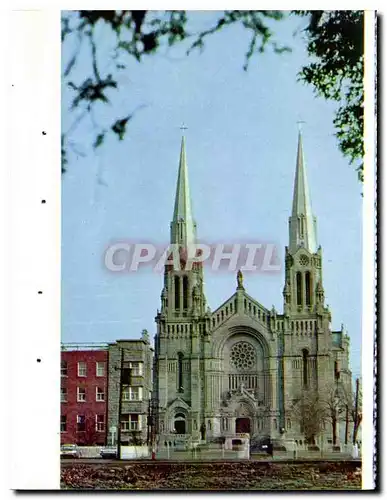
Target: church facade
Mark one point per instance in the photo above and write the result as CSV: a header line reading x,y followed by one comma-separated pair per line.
x,y
240,368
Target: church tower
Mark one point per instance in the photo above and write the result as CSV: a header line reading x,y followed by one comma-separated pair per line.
x,y
303,292
180,322
312,353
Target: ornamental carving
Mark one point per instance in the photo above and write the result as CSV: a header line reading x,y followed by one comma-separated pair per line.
x,y
243,356
304,260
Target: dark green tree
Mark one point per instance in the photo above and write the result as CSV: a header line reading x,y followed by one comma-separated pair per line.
x,y
334,42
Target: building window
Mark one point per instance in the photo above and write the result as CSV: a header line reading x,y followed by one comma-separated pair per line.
x,y
63,394
81,369
100,368
81,394
180,372
136,367
63,423
185,292
100,423
125,393
307,289
132,393
81,423
299,290
63,368
130,422
177,292
275,423
100,394
288,423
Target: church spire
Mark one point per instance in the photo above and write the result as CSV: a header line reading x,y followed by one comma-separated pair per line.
x,y
302,223
183,227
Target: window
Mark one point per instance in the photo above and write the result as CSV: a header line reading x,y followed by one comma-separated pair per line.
x,y
81,394
100,394
288,423
299,291
307,289
81,423
100,423
177,292
63,394
180,372
275,423
63,368
130,422
136,367
131,393
125,393
100,368
81,369
63,423
185,292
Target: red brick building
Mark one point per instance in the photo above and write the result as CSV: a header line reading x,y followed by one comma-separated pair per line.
x,y
84,396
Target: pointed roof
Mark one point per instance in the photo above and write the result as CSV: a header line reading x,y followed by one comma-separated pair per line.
x,y
302,231
183,209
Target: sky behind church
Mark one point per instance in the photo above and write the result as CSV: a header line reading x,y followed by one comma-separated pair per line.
x,y
241,153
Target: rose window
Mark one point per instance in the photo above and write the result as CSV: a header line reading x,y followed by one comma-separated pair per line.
x,y
243,356
304,261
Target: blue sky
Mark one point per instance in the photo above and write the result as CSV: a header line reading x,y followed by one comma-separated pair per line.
x,y
241,152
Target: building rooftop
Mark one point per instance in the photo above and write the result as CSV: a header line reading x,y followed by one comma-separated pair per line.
x,y
84,346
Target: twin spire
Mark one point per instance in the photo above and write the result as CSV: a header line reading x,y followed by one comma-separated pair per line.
x,y
183,226
302,223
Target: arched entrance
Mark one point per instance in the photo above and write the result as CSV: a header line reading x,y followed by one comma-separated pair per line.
x,y
179,423
242,425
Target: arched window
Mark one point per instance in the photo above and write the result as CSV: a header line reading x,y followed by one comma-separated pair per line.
x,y
185,292
177,292
299,290
180,371
305,366
288,423
307,288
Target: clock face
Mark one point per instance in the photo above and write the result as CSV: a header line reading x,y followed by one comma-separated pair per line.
x,y
304,260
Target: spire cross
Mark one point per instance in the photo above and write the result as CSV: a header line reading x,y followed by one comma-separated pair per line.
x,y
183,127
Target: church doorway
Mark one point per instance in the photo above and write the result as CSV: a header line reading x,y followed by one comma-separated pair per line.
x,y
180,423
242,425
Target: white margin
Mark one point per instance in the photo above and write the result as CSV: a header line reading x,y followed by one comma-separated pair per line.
x,y
33,100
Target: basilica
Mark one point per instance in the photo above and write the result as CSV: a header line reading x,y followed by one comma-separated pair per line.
x,y
239,368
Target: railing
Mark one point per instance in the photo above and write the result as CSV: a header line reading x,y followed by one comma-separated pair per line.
x,y
223,313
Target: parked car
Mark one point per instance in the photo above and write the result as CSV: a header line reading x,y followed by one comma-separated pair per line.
x,y
69,451
109,452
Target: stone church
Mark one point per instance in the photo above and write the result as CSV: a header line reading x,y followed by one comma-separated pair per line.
x,y
239,369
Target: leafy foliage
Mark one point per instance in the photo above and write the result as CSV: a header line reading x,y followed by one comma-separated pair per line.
x,y
138,34
335,44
